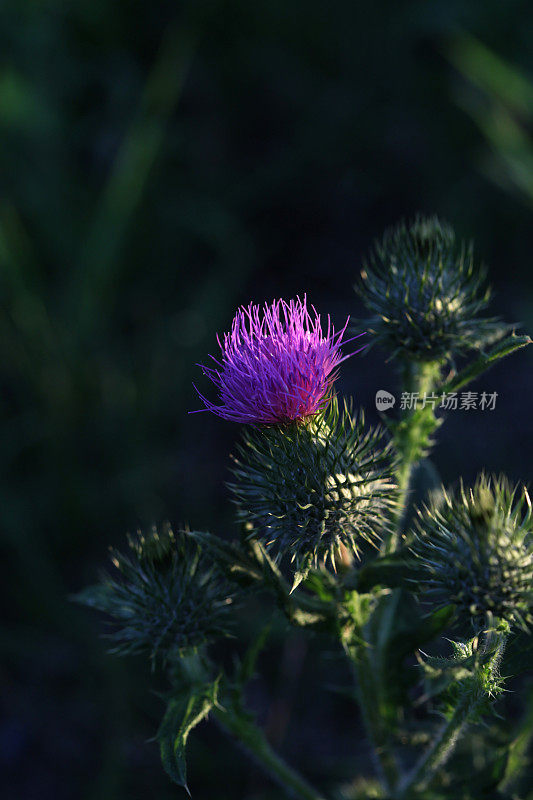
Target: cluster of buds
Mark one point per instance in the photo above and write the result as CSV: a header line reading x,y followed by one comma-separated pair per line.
x,y
161,597
426,293
475,548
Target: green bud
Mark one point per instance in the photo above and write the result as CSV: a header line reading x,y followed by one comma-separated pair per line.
x,y
476,550
162,597
310,489
426,293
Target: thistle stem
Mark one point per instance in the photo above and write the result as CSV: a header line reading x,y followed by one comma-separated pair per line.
x,y
256,745
373,718
440,750
412,436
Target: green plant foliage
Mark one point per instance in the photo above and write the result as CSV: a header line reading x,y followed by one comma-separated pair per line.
x,y
313,500
183,713
389,627
162,163
472,672
395,570
483,362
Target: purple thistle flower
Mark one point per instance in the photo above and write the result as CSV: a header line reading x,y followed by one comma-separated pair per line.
x,y
277,365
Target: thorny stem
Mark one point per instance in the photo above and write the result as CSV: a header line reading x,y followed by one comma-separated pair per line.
x,y
411,437
449,734
385,761
255,743
440,749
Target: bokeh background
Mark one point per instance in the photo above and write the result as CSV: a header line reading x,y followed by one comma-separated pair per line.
x,y
161,163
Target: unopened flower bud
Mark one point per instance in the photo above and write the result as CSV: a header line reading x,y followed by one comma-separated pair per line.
x,y
162,598
426,293
475,547
309,490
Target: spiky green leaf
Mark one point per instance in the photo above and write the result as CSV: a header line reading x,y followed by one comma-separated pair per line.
x,y
183,713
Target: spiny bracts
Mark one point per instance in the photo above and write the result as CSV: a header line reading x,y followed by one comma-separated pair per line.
x,y
308,489
476,550
426,293
162,597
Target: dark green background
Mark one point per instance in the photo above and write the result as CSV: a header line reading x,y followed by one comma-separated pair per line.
x,y
161,163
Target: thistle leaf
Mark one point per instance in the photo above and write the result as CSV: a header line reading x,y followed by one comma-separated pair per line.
x,y
503,348
182,715
302,572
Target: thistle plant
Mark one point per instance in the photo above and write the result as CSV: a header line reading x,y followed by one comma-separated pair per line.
x,y
324,503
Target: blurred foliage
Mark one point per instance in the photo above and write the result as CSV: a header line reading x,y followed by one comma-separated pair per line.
x,y
161,163
499,98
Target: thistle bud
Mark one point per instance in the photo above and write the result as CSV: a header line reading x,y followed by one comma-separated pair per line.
x,y
310,490
476,551
426,293
161,597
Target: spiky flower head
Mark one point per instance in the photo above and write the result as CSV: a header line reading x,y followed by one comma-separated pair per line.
x,y
307,490
277,364
161,597
426,293
476,550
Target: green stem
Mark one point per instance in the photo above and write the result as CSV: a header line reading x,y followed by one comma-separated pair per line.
x,y
373,718
411,436
255,743
440,749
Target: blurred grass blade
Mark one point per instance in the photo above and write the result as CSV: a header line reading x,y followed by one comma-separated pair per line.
x,y
499,98
490,73
96,273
